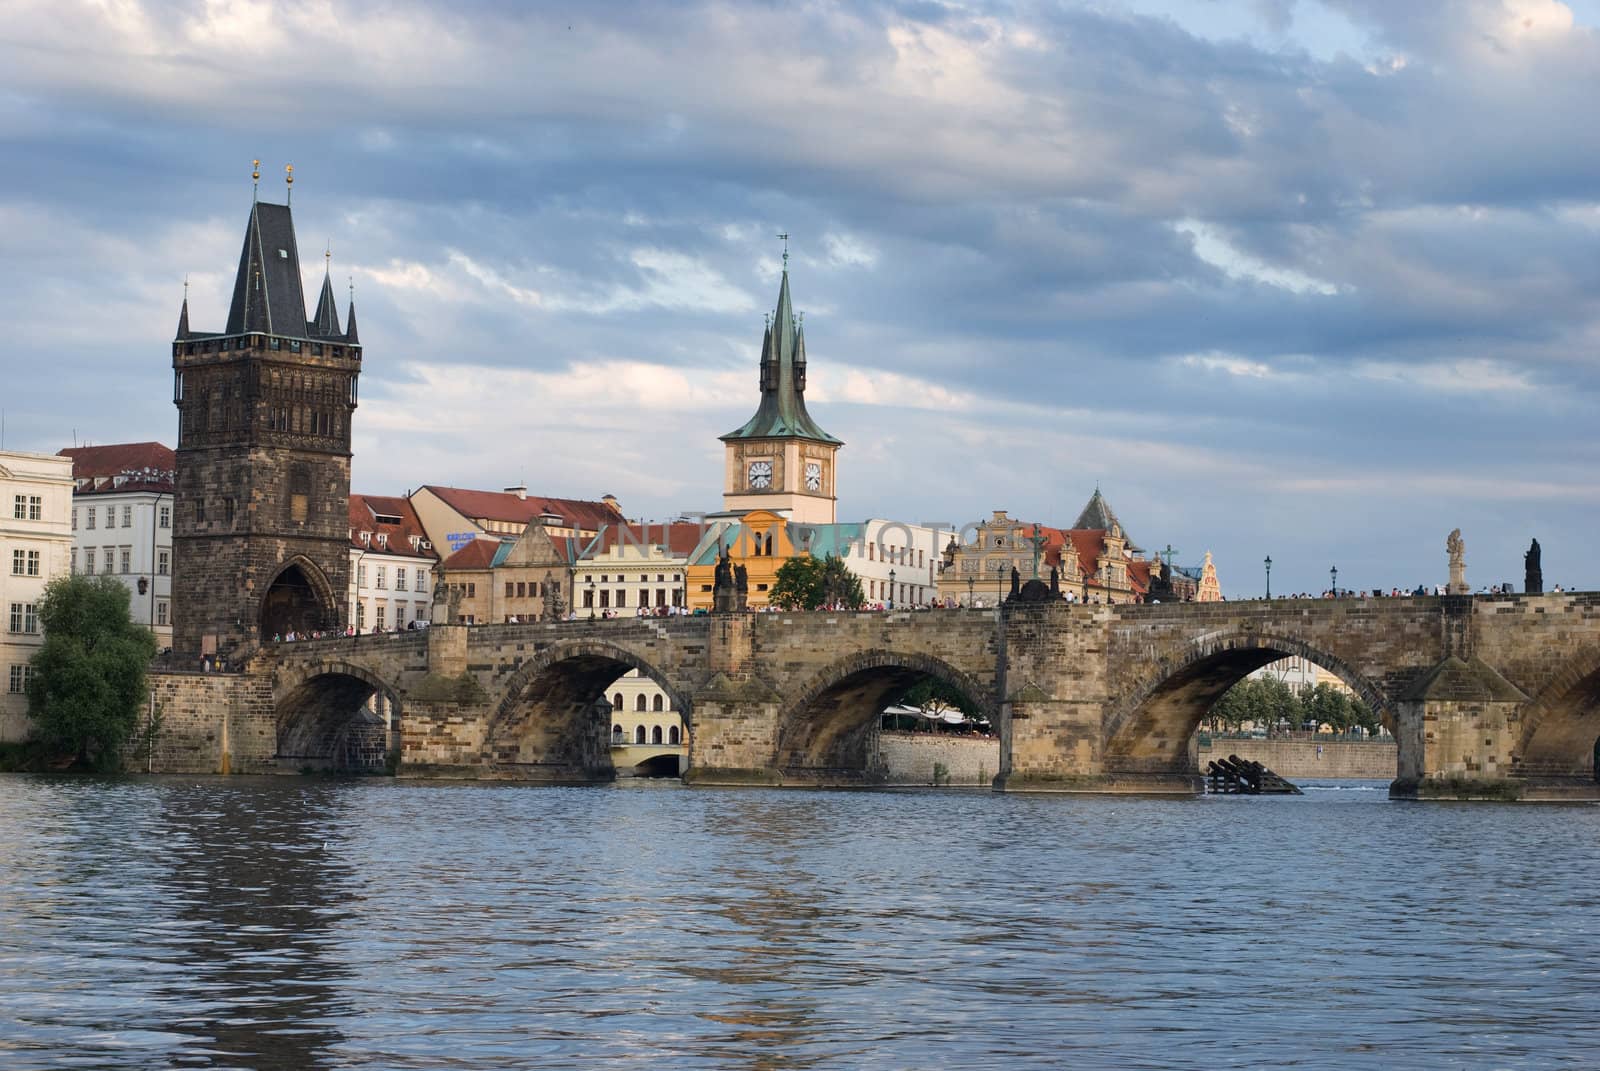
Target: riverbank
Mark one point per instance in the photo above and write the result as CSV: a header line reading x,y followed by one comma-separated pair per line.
x,y
1301,759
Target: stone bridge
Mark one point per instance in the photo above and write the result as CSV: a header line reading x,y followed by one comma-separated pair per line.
x,y
1489,696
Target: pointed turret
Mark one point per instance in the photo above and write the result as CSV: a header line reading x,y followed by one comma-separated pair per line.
x,y
326,322
782,413
267,293
183,318
350,325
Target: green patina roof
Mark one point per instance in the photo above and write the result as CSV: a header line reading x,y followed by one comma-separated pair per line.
x,y
782,413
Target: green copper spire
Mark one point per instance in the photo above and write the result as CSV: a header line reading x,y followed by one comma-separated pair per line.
x,y
782,413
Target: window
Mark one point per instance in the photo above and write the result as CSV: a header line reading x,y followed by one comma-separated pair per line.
x,y
24,563
27,508
25,618
127,516
165,517
361,576
163,562
522,589
638,735
672,736
588,598
382,612
655,734
125,560
382,580
511,589
622,598
472,590
73,567
19,508
161,613
89,518
605,598
400,578
88,559
107,562
20,675
300,494
616,701
422,580
655,702
361,614
639,702
74,518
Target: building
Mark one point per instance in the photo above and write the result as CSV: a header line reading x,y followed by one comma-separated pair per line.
x,y
780,461
757,540
1095,561
391,565
35,548
496,580
647,735
898,563
122,501
452,517
635,568
260,542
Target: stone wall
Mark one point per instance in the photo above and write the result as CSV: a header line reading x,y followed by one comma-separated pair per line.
x,y
1304,759
908,758
209,723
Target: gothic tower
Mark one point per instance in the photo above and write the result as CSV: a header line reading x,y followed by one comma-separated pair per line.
x,y
261,527
780,460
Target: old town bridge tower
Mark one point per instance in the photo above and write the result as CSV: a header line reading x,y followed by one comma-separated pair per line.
x,y
261,526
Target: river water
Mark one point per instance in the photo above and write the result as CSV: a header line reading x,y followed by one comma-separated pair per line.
x,y
302,923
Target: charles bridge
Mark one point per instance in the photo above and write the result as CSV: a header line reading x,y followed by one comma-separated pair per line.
x,y
1488,696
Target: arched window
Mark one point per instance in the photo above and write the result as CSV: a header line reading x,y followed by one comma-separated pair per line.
x,y
655,703
616,701
638,735
672,735
639,702
655,735
616,733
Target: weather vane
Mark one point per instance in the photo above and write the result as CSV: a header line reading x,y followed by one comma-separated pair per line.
x,y
255,178
785,237
288,179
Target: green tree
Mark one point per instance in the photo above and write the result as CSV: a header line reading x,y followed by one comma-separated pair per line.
x,y
88,683
806,583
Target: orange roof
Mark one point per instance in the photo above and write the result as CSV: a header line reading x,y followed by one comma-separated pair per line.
x,y
391,517
477,554
680,537
146,466
509,507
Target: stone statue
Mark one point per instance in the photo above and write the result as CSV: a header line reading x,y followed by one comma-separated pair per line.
x,y
1458,564
724,599
555,607
741,588
453,607
1016,581
1055,581
1532,574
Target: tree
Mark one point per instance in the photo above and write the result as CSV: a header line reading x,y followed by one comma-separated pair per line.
x,y
806,583
88,683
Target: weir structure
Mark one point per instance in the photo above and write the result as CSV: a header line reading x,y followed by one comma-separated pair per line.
x,y
1489,696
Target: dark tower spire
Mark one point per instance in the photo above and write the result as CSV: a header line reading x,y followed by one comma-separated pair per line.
x,y
350,320
183,314
326,322
268,296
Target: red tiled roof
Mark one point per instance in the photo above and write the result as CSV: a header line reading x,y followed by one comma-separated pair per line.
x,y
508,507
142,466
680,537
478,554
364,513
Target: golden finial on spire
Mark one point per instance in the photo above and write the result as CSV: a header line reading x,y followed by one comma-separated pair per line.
x,y
288,180
327,256
255,178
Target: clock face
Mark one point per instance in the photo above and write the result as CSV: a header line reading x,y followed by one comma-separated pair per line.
x,y
813,476
760,475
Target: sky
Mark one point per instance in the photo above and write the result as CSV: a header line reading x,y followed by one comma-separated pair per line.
x,y
1310,279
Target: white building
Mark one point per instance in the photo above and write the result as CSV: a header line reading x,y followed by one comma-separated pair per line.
x,y
898,563
632,567
122,524
35,547
391,565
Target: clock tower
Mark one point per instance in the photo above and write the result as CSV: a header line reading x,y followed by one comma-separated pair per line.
x,y
780,460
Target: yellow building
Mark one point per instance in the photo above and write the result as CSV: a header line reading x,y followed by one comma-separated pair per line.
x,y
758,540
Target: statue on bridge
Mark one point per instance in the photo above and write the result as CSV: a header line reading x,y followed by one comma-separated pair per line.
x,y
741,588
555,607
724,598
1532,574
1458,564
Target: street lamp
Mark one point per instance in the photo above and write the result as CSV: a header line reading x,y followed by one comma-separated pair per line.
x,y
1269,576
970,581
891,589
591,596
1333,574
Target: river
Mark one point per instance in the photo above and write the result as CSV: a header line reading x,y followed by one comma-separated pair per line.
x,y
306,923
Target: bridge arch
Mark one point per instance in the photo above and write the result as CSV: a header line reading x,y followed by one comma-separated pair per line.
x,y
828,730
1150,729
332,714
299,597
1561,726
554,712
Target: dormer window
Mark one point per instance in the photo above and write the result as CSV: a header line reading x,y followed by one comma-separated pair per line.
x,y
383,539
366,538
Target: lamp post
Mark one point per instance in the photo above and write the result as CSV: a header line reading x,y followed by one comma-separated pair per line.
x,y
1333,574
999,582
1269,576
970,581
891,589
591,597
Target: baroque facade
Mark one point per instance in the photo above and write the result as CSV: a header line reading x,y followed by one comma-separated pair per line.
x,y
35,548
